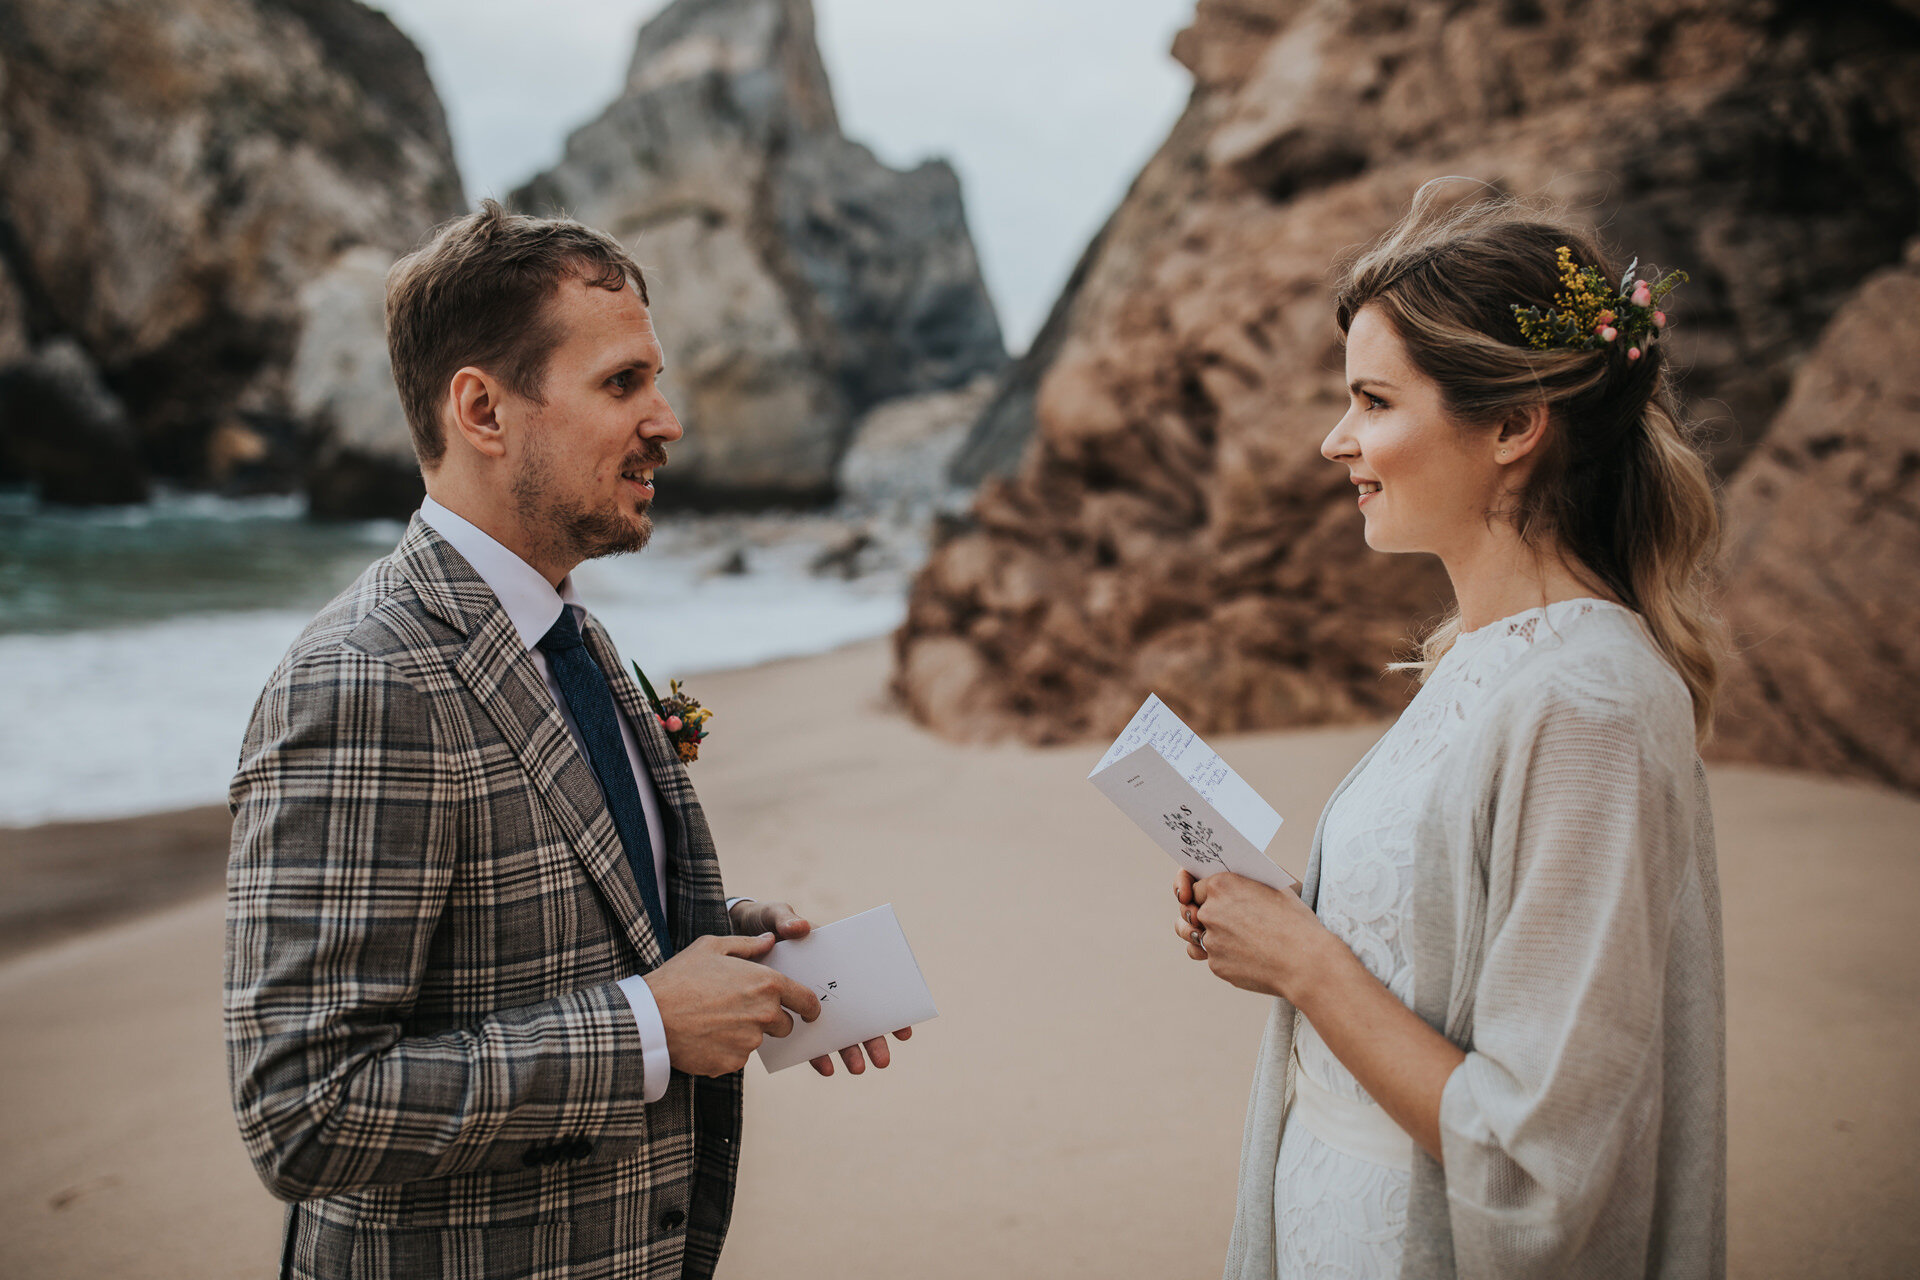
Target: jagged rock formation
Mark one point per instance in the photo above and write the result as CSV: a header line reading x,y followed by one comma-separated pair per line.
x,y
1824,534
172,173
796,280
1169,523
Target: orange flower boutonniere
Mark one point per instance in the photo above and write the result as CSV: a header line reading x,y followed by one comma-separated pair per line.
x,y
681,715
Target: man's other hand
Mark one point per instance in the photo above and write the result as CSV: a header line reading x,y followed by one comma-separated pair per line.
x,y
777,918
784,923
876,1049
717,1004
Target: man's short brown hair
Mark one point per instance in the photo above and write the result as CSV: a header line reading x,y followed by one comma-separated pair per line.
x,y
480,293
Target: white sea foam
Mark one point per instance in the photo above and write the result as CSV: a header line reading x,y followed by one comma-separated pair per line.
x,y
107,723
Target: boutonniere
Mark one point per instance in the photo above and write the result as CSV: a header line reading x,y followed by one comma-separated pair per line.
x,y
681,715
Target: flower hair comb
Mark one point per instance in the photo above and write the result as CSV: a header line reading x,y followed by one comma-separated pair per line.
x,y
1589,315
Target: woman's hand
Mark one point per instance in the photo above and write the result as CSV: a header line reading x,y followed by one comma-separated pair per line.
x,y
1188,929
1261,939
1255,937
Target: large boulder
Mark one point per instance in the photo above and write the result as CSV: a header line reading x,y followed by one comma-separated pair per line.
x,y
174,172
1160,517
62,429
13,321
363,464
901,450
1823,537
796,280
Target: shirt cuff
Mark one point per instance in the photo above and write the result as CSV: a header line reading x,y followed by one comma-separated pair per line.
x,y
731,904
655,1065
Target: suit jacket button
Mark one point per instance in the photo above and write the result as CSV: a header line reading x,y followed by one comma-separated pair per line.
x,y
533,1157
671,1220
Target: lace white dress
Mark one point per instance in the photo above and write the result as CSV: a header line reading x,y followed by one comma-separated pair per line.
x,y
1339,1217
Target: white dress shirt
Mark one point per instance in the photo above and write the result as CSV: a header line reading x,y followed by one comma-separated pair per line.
x,y
533,605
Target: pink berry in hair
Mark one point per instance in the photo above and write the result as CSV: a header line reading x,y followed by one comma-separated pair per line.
x,y
1609,333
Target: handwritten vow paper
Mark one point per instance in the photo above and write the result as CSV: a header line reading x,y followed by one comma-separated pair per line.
x,y
1178,790
867,980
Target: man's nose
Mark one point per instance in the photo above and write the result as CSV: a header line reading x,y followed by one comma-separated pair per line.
x,y
662,424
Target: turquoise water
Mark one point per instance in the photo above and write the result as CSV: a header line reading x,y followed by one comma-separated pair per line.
x,y
75,570
133,642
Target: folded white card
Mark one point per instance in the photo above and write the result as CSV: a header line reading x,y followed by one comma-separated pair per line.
x,y
1179,791
867,980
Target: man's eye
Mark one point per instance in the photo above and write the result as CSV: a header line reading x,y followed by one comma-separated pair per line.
x,y
620,382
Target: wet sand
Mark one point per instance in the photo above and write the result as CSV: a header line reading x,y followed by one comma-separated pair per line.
x,y
1075,1110
67,878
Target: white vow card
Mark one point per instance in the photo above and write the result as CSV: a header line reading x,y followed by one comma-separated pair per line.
x,y
1179,791
867,980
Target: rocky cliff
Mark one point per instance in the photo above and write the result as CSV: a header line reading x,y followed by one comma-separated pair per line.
x,y
173,173
1168,523
1824,537
797,281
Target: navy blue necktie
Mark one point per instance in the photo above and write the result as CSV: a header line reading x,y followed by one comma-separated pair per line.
x,y
584,686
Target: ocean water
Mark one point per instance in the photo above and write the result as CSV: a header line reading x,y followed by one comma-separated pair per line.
x,y
134,641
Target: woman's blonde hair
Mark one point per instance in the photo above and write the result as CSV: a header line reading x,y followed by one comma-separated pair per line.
x,y
1620,486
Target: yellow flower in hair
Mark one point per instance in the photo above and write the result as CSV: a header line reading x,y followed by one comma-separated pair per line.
x,y
1589,314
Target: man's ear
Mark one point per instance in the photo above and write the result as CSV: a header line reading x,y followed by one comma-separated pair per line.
x,y
1521,434
475,399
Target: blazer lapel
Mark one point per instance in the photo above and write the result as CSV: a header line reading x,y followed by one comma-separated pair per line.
x,y
663,761
504,678
687,914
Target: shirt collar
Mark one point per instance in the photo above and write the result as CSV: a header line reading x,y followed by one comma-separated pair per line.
x,y
531,602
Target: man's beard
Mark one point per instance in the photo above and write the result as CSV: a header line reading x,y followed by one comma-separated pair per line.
x,y
578,531
597,534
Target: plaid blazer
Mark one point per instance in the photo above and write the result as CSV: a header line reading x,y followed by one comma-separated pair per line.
x,y
428,908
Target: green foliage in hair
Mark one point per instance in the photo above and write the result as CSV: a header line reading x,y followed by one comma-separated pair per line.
x,y
1589,314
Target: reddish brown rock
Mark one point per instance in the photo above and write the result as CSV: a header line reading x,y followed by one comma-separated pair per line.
x,y
1824,540
1165,521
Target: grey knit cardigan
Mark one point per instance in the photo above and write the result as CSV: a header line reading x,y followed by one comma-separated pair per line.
x,y
1566,935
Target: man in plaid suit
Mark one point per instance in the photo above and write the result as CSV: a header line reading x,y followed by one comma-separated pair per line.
x,y
486,1002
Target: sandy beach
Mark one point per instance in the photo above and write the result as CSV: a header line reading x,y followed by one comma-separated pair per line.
x,y
1075,1110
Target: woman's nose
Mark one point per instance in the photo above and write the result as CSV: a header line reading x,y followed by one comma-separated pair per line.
x,y
1339,443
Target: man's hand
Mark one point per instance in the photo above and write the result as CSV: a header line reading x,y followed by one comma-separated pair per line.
x,y
777,918
717,1004
783,923
876,1049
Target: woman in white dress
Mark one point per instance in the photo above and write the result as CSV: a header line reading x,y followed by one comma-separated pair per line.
x,y
1497,1043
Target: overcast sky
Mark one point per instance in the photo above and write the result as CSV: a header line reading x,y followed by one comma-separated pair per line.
x,y
1046,107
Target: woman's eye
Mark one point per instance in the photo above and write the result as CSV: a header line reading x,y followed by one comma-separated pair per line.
x,y
1374,401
